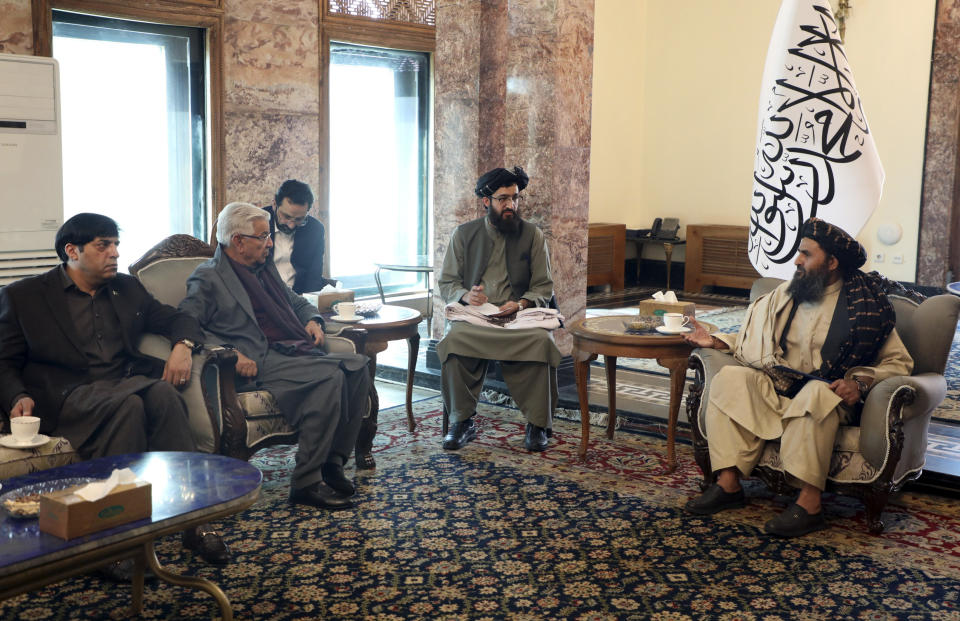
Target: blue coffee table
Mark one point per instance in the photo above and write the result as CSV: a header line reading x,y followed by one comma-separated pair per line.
x,y
188,489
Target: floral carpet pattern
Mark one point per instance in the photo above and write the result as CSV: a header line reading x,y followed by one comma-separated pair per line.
x,y
495,532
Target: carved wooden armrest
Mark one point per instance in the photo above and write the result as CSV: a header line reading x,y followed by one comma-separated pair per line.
x,y
357,335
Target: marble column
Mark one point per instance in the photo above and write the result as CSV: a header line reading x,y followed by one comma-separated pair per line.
x,y
938,212
16,27
272,97
513,87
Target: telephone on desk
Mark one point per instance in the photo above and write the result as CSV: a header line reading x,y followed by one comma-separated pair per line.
x,y
662,232
662,229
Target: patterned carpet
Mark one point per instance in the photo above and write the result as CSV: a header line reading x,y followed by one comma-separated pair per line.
x,y
728,319
495,532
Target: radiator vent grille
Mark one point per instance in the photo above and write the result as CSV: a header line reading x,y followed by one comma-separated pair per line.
x,y
22,263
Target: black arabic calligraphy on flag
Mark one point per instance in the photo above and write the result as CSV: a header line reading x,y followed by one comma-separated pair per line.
x,y
815,154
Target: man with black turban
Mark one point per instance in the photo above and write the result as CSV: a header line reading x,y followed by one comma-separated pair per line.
x,y
499,259
831,321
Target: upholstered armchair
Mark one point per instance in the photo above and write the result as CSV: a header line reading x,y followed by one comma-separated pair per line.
x,y
221,419
875,458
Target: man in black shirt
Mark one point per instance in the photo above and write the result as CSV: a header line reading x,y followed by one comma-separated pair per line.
x,y
68,354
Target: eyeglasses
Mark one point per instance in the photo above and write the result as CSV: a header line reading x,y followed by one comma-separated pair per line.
x,y
502,200
262,236
297,222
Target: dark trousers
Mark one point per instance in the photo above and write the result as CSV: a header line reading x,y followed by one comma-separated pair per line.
x,y
130,415
324,398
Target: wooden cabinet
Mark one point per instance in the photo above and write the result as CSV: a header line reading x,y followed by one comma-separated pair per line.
x,y
605,254
717,256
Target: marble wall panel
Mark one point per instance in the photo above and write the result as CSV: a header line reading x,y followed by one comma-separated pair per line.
x,y
573,92
284,12
456,69
271,67
940,165
494,47
456,139
16,27
456,125
265,149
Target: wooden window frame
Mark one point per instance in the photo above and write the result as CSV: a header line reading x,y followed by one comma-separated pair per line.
x,y
359,31
206,14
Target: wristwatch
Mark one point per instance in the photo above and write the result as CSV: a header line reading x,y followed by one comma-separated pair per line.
x,y
194,347
862,387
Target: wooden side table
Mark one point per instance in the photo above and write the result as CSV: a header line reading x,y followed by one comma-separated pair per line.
x,y
608,336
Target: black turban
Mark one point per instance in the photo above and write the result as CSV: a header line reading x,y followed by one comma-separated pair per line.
x,y
500,178
850,254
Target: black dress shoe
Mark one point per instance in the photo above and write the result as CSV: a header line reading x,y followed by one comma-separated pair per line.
x,y
320,495
795,522
334,477
715,499
459,434
207,544
122,572
536,438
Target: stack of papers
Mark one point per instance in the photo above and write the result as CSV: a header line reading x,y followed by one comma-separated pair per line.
x,y
547,318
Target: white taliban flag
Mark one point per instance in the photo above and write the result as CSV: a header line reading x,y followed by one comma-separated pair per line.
x,y
815,153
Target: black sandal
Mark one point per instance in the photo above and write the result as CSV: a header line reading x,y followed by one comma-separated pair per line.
x,y
365,462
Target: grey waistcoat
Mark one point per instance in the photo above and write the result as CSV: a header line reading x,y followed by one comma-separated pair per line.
x,y
477,246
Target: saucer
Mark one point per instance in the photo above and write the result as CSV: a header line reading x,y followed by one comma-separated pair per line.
x,y
665,330
340,319
38,440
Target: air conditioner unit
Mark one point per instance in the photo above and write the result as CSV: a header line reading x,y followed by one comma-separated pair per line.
x,y
31,165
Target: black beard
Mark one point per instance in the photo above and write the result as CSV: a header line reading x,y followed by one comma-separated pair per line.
x,y
510,226
808,286
283,228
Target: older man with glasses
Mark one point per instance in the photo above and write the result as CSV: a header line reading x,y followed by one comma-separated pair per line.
x,y
239,299
298,238
502,260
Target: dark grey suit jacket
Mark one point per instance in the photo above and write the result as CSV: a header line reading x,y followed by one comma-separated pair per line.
x,y
217,299
40,351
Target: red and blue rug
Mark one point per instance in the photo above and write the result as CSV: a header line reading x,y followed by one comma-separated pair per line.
x,y
495,532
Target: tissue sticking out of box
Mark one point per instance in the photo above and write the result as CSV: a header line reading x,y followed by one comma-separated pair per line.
x,y
331,288
98,489
669,297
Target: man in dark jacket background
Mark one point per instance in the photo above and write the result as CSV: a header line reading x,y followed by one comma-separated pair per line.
x,y
298,238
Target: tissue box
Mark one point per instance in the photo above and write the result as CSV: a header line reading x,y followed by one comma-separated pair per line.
x,y
66,515
657,309
325,301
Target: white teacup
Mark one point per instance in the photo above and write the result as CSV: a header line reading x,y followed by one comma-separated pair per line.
x,y
346,310
24,428
675,321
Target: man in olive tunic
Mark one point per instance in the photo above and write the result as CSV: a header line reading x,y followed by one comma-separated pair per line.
x,y
831,321
503,260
